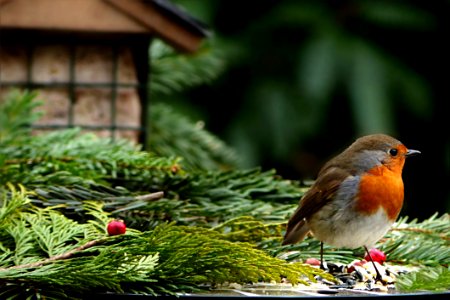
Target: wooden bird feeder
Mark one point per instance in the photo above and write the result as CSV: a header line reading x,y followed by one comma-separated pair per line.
x,y
89,59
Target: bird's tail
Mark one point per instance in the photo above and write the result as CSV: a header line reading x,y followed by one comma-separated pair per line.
x,y
295,233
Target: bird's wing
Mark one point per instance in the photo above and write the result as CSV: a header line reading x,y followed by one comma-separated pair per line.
x,y
317,196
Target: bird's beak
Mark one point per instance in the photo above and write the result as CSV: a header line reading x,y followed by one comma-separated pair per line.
x,y
412,152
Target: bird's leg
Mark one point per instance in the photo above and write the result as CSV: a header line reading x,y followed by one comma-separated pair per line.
x,y
378,278
322,266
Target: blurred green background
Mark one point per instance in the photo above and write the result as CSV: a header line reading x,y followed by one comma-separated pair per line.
x,y
294,82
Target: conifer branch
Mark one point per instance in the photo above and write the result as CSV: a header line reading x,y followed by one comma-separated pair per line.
x,y
173,134
424,231
430,279
17,113
66,255
172,72
423,243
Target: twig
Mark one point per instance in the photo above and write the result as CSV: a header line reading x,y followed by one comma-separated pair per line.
x,y
146,197
149,197
66,255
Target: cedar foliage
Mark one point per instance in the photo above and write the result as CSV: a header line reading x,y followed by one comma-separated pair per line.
x,y
56,256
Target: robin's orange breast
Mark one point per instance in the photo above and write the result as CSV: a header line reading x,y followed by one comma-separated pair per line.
x,y
381,187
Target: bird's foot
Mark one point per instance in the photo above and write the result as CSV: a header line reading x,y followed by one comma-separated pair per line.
x,y
379,279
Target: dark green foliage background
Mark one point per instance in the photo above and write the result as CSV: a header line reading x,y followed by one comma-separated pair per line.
x,y
301,79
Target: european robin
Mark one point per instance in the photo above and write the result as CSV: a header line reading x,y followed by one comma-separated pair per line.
x,y
356,198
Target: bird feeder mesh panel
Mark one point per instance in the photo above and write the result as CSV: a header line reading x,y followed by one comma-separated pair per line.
x,y
96,87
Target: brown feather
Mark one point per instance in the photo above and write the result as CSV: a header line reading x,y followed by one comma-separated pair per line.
x,y
322,192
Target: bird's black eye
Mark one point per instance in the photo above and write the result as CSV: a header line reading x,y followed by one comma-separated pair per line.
x,y
393,152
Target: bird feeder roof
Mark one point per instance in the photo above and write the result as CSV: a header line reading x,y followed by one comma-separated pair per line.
x,y
134,17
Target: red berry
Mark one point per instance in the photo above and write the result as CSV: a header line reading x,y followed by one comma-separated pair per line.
x,y
377,255
312,261
116,227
